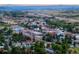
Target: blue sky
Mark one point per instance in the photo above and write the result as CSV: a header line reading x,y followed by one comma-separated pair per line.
x,y
39,1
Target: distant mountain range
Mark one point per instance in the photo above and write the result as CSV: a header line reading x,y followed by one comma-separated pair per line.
x,y
49,7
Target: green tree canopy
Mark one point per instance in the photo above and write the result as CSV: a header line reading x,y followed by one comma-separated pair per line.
x,y
39,47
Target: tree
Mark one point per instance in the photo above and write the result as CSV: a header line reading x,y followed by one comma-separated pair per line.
x,y
62,47
16,50
69,27
65,46
9,32
48,37
39,47
2,39
5,28
17,37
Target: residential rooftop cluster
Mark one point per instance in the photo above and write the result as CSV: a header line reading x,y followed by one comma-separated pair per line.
x,y
30,32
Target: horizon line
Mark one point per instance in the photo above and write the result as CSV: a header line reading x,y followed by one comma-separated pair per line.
x,y
40,4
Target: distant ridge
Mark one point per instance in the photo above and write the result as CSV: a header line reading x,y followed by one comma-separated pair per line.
x,y
38,7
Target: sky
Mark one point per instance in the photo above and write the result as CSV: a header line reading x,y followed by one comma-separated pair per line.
x,y
43,2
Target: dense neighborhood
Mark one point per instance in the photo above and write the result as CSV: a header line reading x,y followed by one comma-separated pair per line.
x,y
39,32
